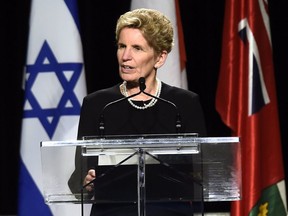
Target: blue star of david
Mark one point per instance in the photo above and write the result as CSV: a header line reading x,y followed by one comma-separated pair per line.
x,y
46,62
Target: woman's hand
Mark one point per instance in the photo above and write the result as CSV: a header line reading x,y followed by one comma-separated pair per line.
x,y
89,177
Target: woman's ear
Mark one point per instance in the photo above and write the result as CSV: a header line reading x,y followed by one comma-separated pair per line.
x,y
161,58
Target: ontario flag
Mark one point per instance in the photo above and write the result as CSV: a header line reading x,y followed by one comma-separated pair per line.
x,y
247,103
173,72
54,87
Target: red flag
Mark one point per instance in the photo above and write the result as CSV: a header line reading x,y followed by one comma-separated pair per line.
x,y
246,101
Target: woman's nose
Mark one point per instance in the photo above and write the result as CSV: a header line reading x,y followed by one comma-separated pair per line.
x,y
126,54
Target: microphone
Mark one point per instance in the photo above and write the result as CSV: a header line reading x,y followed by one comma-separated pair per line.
x,y
142,84
101,121
142,87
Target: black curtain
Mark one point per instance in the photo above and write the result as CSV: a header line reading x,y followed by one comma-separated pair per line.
x,y
202,24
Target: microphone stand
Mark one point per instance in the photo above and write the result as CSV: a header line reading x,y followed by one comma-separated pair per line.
x,y
141,153
178,118
142,87
101,124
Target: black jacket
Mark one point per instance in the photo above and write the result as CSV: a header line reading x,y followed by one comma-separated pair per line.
x,y
123,119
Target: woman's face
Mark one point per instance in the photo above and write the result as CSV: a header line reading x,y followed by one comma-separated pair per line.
x,y
135,57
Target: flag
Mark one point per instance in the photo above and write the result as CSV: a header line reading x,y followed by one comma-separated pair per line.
x,y
173,72
54,84
247,103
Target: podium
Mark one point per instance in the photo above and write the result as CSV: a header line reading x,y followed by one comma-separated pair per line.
x,y
145,168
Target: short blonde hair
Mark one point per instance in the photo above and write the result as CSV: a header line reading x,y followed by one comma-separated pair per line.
x,y
155,27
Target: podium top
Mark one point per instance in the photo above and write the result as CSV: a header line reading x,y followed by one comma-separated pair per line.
x,y
185,139
188,143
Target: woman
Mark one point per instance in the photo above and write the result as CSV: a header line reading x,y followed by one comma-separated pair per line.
x,y
144,39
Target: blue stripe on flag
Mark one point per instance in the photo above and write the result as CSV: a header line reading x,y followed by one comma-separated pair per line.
x,y
27,192
257,93
72,7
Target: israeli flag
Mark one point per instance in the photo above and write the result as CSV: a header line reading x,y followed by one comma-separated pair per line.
x,y
54,84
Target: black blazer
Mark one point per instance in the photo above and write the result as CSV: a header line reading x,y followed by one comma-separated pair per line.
x,y
123,119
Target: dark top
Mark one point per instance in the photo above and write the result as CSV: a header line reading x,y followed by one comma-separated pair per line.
x,y
123,119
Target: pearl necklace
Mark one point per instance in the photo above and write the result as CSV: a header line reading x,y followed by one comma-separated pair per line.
x,y
150,104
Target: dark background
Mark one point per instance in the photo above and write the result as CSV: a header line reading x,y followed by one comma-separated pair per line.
x,y
202,22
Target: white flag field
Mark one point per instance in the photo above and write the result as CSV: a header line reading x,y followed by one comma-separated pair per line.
x,y
173,72
54,84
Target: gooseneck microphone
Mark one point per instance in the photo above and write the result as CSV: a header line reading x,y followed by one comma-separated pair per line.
x,y
101,121
142,84
142,87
